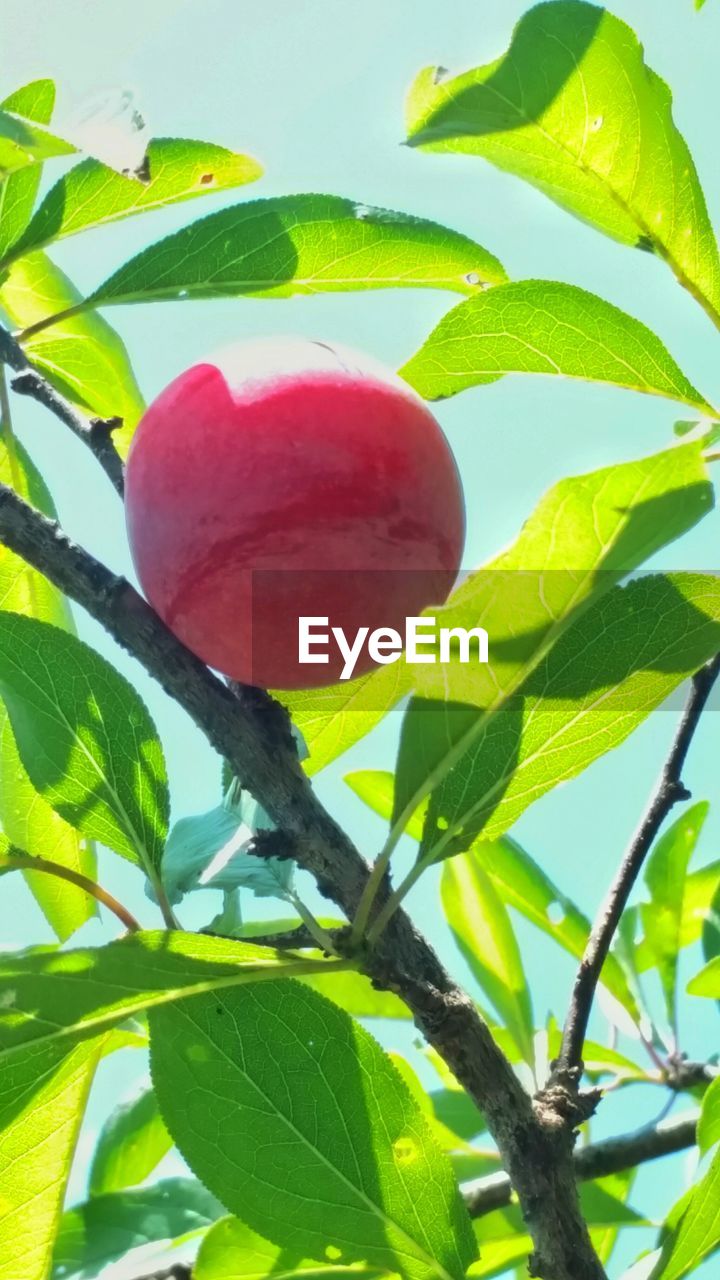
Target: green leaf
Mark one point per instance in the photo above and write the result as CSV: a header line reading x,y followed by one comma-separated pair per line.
x,y
603,1207
83,357
709,1122
707,981
573,109
101,1231
503,1242
355,994
711,928
699,891
602,678
455,1110
484,934
697,1234
85,738
662,917
545,327
332,719
26,819
519,881
304,244
585,534
131,1144
93,194
522,884
604,1238
18,190
446,1139
232,1251
43,1098
23,143
328,1156
53,998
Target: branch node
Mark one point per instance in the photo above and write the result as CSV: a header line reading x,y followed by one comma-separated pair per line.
x,y
102,428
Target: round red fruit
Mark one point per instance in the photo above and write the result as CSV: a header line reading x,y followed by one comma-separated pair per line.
x,y
287,479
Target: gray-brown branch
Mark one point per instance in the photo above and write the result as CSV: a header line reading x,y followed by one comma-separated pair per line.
x,y
252,732
668,791
96,433
598,1160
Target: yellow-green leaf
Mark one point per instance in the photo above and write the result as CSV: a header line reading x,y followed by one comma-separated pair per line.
x,y
545,327
83,357
574,109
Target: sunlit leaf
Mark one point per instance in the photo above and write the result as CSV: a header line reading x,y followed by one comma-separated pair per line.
x,y
699,890
697,1233
93,194
18,190
545,327
85,738
334,718
27,820
520,882
232,1251
43,1098
304,244
662,917
709,1122
602,678
355,993
83,356
23,143
315,1138
584,535
483,931
574,109
56,997
707,981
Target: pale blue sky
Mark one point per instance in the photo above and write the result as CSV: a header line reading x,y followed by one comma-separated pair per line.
x,y
314,90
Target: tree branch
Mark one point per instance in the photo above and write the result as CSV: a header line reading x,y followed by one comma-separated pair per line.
x,y
612,1155
669,790
253,733
96,433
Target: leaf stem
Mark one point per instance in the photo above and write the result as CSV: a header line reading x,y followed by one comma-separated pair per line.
x,y
18,861
390,907
321,936
370,892
54,318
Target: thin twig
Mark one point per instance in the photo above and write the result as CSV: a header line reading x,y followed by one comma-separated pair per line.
x,y
95,433
19,861
668,791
